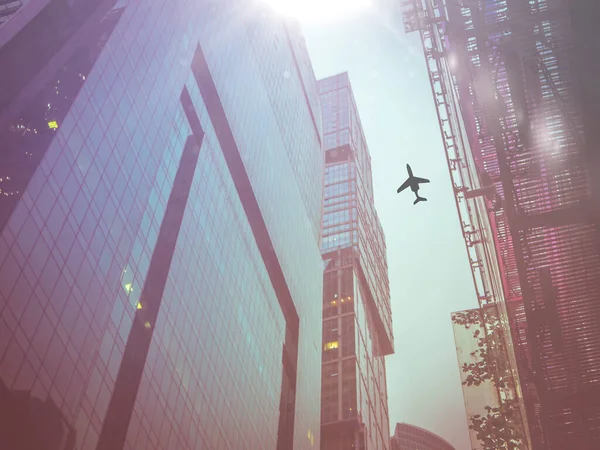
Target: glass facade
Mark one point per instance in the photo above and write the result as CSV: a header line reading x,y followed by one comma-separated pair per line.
x,y
160,213
410,437
356,302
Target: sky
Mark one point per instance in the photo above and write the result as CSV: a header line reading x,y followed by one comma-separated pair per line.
x,y
428,265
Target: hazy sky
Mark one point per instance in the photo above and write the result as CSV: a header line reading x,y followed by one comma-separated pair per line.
x,y
428,266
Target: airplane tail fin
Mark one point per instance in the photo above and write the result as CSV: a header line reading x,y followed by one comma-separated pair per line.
x,y
419,199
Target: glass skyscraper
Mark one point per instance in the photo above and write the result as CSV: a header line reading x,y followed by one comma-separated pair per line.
x,y
357,322
161,180
411,437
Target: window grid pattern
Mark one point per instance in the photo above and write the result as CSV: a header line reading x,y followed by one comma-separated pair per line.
x,y
348,186
95,203
356,312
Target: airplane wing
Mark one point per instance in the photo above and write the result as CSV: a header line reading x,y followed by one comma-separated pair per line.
x,y
404,186
421,180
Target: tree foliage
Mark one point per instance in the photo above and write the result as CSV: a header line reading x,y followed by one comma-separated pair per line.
x,y
498,428
468,318
489,363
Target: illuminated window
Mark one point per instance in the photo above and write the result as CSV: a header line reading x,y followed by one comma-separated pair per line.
x,y
331,345
127,281
334,301
52,125
311,438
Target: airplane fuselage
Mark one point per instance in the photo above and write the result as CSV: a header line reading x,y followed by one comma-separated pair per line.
x,y
413,186
413,183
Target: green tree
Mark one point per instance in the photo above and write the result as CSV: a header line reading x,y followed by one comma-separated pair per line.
x,y
497,429
489,362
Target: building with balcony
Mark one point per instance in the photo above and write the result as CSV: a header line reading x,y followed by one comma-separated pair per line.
x,y
515,89
8,8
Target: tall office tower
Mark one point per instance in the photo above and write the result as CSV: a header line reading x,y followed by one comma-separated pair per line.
x,y
161,177
517,100
357,322
411,437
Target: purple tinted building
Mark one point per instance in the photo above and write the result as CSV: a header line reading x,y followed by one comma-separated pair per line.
x,y
516,92
8,8
160,210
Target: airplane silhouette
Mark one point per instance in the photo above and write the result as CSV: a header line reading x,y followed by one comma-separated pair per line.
x,y
413,182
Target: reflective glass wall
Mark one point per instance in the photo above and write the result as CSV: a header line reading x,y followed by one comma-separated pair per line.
x,y
155,289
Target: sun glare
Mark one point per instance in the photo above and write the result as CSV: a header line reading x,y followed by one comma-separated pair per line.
x,y
318,10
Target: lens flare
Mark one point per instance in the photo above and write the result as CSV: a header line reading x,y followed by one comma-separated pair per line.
x,y
318,10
